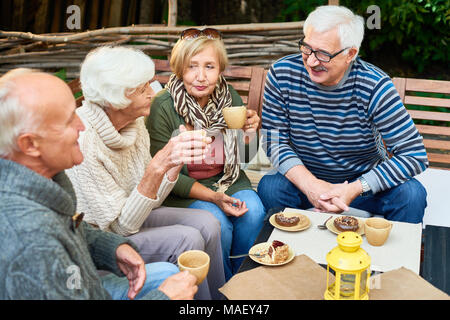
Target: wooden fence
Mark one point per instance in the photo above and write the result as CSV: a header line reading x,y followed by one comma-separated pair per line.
x,y
50,16
247,44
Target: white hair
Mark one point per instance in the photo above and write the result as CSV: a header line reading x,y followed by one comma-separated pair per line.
x,y
15,117
109,74
350,26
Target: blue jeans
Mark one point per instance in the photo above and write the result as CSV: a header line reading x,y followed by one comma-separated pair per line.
x,y
405,202
237,233
157,272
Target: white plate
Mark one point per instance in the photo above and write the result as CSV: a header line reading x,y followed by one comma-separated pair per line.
x,y
265,246
304,223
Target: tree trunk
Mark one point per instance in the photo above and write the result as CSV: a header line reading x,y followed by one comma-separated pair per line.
x,y
173,12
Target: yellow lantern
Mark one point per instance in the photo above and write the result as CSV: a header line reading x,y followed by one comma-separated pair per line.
x,y
351,265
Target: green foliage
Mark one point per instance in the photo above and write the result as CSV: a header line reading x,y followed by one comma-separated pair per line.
x,y
61,74
298,10
414,32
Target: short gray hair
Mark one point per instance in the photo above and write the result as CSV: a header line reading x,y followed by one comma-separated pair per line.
x,y
15,117
350,26
108,74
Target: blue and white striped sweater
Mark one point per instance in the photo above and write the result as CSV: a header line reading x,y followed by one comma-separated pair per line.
x,y
336,131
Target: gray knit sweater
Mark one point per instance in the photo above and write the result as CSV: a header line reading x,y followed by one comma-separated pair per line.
x,y
40,251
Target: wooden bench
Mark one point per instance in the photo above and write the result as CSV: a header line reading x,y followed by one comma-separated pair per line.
x,y
436,132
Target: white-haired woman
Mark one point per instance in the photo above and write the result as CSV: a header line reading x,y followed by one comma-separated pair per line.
x,y
119,186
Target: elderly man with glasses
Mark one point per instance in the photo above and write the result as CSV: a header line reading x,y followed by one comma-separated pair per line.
x,y
326,114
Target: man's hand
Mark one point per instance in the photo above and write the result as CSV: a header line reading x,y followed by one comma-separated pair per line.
x,y
132,265
318,191
339,198
180,286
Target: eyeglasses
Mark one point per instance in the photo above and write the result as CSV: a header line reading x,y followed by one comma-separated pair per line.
x,y
193,33
320,55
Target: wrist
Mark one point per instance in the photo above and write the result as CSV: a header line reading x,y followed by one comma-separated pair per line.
x,y
302,178
172,173
157,167
213,196
364,189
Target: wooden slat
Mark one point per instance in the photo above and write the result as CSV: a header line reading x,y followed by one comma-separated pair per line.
x,y
261,101
427,129
425,101
238,72
163,79
400,85
94,15
437,144
436,264
82,4
41,19
424,85
56,21
105,13
429,115
162,65
115,13
254,95
439,158
240,85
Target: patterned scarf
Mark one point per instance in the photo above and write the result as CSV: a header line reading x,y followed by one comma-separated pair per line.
x,y
211,120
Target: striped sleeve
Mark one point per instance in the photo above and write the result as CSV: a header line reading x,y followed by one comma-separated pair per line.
x,y
275,125
401,137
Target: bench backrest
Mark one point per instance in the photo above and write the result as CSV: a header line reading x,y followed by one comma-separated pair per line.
x,y
433,123
248,82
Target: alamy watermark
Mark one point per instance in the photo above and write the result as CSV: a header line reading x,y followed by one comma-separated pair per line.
x,y
74,280
374,20
74,20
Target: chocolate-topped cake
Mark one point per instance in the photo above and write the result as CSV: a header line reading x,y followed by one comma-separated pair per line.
x,y
284,221
346,223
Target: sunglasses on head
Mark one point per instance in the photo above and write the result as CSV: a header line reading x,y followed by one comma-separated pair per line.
x,y
193,33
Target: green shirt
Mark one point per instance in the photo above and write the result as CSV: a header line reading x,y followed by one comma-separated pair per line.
x,y
161,123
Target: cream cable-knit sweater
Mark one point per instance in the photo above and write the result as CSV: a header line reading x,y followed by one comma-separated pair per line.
x,y
114,164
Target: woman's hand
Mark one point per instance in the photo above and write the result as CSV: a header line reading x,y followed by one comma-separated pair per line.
x,y
252,121
230,206
187,147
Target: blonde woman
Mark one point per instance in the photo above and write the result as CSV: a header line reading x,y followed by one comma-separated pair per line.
x,y
194,97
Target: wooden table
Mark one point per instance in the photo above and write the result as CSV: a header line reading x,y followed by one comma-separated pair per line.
x,y
402,249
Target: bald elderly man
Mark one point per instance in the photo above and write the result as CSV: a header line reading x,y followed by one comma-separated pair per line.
x,y
46,251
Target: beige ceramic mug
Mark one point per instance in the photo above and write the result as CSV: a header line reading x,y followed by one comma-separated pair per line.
x,y
377,230
235,116
196,262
